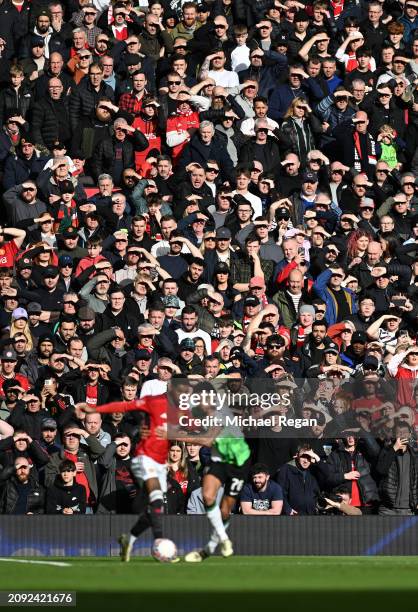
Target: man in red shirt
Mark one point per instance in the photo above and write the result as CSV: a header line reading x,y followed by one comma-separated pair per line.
x,y
9,250
150,458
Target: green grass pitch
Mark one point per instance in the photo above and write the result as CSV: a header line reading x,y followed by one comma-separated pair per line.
x,y
238,583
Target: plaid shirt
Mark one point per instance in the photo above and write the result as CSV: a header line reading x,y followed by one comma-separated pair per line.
x,y
242,269
129,102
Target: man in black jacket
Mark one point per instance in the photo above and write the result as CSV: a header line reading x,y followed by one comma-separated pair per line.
x,y
86,95
397,465
300,487
21,493
115,154
50,119
351,464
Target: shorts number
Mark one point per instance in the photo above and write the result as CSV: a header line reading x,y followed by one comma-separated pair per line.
x,y
236,485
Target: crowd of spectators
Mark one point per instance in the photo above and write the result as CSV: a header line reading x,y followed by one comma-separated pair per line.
x,y
223,191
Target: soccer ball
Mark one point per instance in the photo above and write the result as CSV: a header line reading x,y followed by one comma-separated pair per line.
x,y
164,550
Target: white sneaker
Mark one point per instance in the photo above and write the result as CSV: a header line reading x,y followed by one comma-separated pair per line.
x,y
196,556
226,548
125,548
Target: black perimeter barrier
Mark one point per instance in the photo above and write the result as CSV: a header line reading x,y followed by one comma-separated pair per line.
x,y
96,536
84,536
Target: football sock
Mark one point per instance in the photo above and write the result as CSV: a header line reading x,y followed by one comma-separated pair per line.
x,y
140,526
212,545
215,518
132,539
156,509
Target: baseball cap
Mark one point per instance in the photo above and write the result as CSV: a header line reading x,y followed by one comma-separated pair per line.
x,y
221,266
9,355
359,337
10,383
257,281
37,41
24,263
223,233
203,8
67,186
370,363
49,424
301,16
70,232
50,272
236,353
86,314
131,59
142,354
309,177
19,313
332,348
187,344
171,301
251,300
34,308
366,203
65,260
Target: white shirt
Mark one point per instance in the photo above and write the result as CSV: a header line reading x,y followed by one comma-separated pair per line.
x,y
225,78
154,387
240,58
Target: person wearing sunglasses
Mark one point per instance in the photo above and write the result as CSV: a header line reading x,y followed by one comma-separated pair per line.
x,y
21,202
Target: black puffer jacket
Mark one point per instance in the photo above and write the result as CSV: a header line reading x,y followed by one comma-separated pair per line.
x,y
340,462
103,160
50,121
9,494
10,100
84,98
59,497
387,468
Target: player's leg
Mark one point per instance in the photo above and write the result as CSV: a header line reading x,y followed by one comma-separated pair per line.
x,y
142,523
145,473
155,506
210,488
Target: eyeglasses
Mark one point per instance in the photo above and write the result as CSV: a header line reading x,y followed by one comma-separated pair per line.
x,y
369,208
211,169
384,95
174,82
219,26
28,189
262,131
210,239
383,170
302,107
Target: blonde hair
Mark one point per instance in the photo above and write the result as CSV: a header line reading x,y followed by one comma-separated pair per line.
x,y
24,332
290,110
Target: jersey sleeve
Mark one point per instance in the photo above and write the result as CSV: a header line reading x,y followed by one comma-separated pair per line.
x,y
137,404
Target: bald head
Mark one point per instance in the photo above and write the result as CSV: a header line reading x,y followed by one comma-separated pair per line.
x,y
374,252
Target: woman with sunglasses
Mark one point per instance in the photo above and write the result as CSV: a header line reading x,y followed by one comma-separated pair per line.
x,y
299,128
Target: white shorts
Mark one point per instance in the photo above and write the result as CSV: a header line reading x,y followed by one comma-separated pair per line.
x,y
144,468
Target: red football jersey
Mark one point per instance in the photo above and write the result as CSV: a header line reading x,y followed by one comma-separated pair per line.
x,y
156,406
